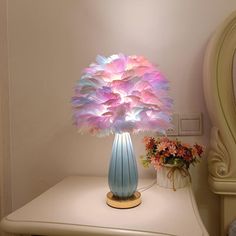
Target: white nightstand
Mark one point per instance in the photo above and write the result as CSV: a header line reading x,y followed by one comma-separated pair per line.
x,y
77,206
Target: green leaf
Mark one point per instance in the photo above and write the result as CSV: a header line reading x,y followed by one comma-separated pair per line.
x,y
145,163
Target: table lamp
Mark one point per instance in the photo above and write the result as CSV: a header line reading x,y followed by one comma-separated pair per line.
x,y
121,95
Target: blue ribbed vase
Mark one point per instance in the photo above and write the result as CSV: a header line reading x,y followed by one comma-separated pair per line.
x,y
123,173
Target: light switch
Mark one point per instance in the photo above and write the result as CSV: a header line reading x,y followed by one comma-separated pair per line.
x,y
190,124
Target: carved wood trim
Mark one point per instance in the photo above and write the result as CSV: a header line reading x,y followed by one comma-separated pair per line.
x,y
218,158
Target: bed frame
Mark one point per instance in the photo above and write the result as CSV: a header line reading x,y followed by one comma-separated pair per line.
x,y
220,100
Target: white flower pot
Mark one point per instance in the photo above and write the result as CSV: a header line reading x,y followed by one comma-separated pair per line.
x,y
171,176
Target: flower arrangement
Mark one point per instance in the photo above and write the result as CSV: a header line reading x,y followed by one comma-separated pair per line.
x,y
121,94
163,151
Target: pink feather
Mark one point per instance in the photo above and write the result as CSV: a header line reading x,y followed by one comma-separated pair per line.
x,y
121,94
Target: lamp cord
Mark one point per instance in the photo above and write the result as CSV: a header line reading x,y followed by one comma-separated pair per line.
x,y
142,189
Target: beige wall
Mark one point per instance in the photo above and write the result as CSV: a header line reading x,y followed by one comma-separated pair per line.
x,y
50,41
5,174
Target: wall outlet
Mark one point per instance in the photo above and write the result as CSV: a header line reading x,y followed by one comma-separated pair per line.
x,y
174,131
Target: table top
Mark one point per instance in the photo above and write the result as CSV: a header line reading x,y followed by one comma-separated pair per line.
x,y
77,206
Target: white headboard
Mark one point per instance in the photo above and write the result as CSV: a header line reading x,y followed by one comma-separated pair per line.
x,y
219,96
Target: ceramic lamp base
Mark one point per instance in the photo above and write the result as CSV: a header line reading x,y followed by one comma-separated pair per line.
x,y
130,202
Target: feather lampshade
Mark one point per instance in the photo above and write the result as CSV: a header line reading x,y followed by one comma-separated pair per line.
x,y
121,95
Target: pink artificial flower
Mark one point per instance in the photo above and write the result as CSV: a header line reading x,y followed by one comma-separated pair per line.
x,y
172,150
199,149
150,144
146,139
155,162
186,145
162,146
194,151
181,152
162,151
188,156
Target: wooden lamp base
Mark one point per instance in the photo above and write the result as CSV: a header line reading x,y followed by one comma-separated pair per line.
x,y
130,202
